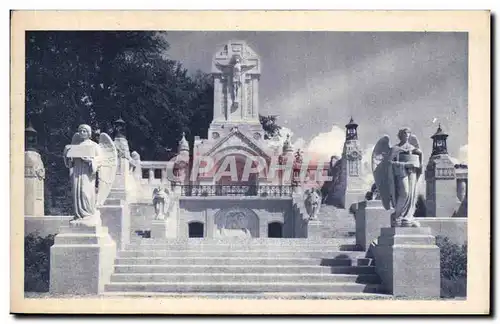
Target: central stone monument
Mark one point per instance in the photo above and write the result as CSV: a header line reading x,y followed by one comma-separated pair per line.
x,y
236,72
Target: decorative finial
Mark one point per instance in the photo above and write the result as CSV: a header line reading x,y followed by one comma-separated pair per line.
x,y
183,143
30,137
119,127
287,146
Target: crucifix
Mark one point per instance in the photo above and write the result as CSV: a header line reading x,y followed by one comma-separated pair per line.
x,y
236,70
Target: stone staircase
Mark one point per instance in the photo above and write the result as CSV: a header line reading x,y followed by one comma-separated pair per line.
x,y
336,222
250,266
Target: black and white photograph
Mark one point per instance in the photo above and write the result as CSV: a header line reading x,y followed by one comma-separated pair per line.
x,y
249,164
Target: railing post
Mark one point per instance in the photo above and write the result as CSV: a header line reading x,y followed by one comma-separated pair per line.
x,y
151,175
163,175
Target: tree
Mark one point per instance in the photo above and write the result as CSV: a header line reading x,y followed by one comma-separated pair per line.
x,y
270,126
95,77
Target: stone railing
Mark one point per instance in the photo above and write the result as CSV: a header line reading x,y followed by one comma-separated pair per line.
x,y
154,172
237,190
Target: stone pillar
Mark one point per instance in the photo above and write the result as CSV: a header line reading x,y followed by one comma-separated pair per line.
x,y
352,167
371,216
115,215
407,260
34,175
441,186
119,189
81,260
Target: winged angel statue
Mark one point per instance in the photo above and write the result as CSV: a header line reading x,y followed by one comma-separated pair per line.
x,y
397,171
87,161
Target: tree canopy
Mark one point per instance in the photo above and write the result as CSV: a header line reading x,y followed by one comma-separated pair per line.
x,y
96,77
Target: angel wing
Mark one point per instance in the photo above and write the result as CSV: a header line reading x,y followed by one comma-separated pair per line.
x,y
413,140
155,192
380,168
77,139
107,164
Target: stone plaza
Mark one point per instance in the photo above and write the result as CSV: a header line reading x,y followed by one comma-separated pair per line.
x,y
236,215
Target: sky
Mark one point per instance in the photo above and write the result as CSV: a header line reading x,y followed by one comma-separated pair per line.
x,y
315,81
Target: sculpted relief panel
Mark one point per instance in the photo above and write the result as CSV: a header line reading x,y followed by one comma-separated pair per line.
x,y
236,222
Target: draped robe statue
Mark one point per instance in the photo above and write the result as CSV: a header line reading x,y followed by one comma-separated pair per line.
x,y
86,160
160,202
312,203
397,171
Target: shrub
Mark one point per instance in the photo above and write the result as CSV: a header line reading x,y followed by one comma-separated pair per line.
x,y
453,268
37,262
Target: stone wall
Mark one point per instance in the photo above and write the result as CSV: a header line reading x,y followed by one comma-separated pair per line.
x,y
204,210
44,225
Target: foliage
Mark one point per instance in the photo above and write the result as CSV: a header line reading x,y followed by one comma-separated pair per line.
x,y
37,262
269,123
453,263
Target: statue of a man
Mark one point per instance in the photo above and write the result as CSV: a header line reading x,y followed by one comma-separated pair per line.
x,y
397,175
84,158
312,202
160,202
237,77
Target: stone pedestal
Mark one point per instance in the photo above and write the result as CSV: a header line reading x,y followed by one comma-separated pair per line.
x,y
115,215
408,262
159,229
371,216
81,260
314,229
353,196
164,228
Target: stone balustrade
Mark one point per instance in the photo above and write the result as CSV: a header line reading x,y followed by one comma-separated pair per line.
x,y
237,190
155,172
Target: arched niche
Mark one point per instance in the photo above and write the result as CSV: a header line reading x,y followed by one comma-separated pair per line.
x,y
236,223
196,229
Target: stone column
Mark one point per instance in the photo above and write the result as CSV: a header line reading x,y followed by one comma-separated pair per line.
x,y
371,216
119,189
407,260
34,175
441,188
81,260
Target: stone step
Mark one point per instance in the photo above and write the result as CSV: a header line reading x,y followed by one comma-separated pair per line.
x,y
347,244
236,261
228,248
244,277
240,287
245,241
254,295
250,269
242,253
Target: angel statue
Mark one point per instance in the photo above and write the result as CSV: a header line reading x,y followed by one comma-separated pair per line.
x,y
397,171
312,202
86,159
160,202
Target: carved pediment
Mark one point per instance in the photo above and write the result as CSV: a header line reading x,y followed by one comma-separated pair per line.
x,y
237,141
